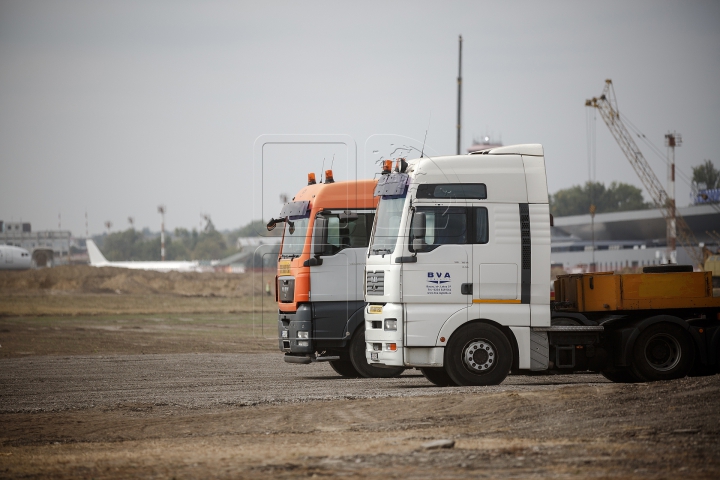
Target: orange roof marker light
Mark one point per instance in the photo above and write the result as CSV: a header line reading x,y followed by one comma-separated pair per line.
x,y
311,179
329,177
387,167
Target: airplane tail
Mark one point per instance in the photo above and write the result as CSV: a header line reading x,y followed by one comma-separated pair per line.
x,y
96,256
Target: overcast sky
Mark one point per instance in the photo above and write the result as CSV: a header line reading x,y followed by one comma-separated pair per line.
x,y
116,107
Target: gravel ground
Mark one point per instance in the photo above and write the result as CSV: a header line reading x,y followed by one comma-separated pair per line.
x,y
51,383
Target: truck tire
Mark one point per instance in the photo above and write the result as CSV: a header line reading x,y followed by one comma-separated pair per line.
x,y
478,354
663,351
620,375
344,368
438,377
359,361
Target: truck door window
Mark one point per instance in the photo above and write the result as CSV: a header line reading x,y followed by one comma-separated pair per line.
x,y
347,233
444,226
481,225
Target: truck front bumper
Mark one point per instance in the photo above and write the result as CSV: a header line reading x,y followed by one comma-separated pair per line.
x,y
382,345
289,324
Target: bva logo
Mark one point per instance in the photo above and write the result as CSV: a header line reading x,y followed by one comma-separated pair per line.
x,y
438,277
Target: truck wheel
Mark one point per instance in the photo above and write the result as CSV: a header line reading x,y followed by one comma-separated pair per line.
x,y
620,375
344,368
360,363
478,354
438,377
662,352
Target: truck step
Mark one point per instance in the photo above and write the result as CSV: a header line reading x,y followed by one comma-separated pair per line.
x,y
326,359
297,359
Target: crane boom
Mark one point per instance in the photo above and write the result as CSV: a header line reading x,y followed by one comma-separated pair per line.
x,y
607,106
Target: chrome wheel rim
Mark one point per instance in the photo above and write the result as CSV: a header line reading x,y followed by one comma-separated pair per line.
x,y
479,356
662,352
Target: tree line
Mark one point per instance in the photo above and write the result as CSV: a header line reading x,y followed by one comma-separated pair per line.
x,y
618,196
181,244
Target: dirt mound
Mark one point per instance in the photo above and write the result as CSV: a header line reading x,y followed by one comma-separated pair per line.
x,y
87,279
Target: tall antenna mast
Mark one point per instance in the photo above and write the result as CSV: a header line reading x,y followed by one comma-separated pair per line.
x,y
459,80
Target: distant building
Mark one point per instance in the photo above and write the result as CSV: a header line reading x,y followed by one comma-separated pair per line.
x,y
48,248
484,143
631,239
253,242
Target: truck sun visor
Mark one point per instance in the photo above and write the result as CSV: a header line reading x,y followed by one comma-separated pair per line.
x,y
294,209
393,184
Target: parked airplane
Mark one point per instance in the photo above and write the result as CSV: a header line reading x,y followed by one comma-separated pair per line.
x,y
14,258
97,259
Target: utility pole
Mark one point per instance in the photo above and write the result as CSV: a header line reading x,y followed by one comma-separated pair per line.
x,y
161,210
672,140
87,235
459,105
108,225
131,221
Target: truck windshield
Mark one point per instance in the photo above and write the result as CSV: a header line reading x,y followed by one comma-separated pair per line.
x,y
295,233
387,226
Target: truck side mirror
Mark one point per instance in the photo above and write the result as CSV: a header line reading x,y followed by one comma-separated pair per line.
x,y
418,232
419,244
418,225
320,236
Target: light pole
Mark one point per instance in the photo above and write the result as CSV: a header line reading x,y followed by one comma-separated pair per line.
x,y
672,140
161,210
108,225
459,99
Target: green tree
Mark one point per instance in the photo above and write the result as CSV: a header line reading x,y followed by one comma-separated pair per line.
x,y
187,238
127,245
576,200
707,174
210,246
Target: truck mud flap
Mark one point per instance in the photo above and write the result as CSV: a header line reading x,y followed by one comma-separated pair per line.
x,y
539,351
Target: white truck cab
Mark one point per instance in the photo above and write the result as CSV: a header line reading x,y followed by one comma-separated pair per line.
x,y
458,266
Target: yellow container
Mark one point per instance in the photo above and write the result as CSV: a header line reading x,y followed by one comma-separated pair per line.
x,y
609,292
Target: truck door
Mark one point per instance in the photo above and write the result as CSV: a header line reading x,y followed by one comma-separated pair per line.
x,y
433,287
498,264
336,284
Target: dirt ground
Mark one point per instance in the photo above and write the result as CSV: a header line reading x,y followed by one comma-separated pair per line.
x,y
192,394
85,290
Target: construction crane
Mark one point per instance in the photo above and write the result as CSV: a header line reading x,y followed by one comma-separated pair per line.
x,y
607,106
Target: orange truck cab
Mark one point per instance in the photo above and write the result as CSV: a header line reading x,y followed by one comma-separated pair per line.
x,y
319,281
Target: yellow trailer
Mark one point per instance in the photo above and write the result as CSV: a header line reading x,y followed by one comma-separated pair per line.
x,y
610,292
661,324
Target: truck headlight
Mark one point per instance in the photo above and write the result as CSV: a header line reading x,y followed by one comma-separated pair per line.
x,y
391,324
303,343
302,334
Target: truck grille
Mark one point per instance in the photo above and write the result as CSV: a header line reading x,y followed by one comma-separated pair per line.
x,y
375,283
